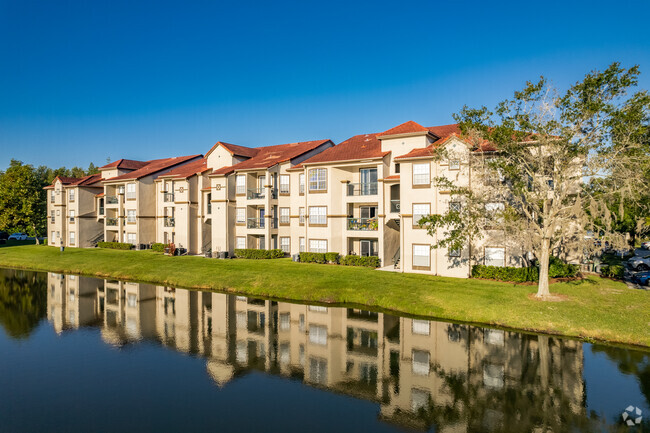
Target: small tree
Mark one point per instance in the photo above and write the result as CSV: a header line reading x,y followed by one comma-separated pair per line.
x,y
545,167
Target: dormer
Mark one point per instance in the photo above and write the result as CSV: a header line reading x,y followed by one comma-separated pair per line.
x,y
226,154
403,138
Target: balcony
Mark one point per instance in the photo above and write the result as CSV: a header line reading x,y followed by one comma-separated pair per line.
x,y
394,206
112,222
170,222
111,199
363,224
168,197
255,223
256,193
355,189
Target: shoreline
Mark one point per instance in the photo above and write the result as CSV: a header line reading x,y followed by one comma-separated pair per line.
x,y
270,279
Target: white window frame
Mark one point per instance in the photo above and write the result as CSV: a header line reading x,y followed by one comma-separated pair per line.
x,y
240,184
420,210
301,245
317,179
71,195
301,183
455,206
317,245
130,190
73,238
240,215
131,216
454,164
72,215
285,213
131,238
285,244
285,183
492,256
422,174
419,256
301,215
240,242
318,215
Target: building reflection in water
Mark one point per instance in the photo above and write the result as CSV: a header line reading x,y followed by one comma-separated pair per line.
x,y
421,373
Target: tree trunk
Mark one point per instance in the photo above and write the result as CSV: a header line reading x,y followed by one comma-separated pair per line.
x,y
36,235
542,286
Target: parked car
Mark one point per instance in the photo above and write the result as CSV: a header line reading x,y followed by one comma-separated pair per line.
x,y
640,263
645,245
18,236
642,278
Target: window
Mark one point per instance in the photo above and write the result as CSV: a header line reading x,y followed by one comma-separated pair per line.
x,y
240,184
72,238
495,256
71,195
130,238
285,321
420,327
454,206
120,189
71,216
420,399
318,179
285,244
58,212
130,190
52,196
318,335
240,242
493,376
301,246
284,184
493,212
421,174
318,215
454,253
397,168
420,210
301,182
454,164
301,213
58,234
130,216
420,363
421,256
52,216
284,215
240,215
52,236
317,246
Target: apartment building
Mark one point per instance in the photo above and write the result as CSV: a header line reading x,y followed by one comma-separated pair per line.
x,y
363,196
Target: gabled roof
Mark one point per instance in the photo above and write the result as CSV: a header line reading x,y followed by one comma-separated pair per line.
x,y
409,127
235,150
269,156
365,146
188,170
153,167
125,164
89,180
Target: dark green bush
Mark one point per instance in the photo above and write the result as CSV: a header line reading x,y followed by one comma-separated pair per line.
x,y
313,258
250,253
369,261
559,269
115,245
158,247
332,257
613,271
504,273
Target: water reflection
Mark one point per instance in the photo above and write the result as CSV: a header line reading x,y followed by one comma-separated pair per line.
x,y
421,373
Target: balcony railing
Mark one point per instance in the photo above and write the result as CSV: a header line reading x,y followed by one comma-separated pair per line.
x,y
170,222
394,205
362,189
111,222
256,193
168,197
363,224
255,223
111,199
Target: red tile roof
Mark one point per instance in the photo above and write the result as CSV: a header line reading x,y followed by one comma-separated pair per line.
x,y
153,167
188,170
235,150
392,177
405,128
126,164
269,156
89,180
358,147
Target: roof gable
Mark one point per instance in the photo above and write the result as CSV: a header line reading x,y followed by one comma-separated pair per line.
x,y
153,167
409,127
235,150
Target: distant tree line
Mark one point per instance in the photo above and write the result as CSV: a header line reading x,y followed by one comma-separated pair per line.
x,y
23,201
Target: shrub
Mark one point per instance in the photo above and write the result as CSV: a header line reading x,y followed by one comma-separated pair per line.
x,y
613,271
250,253
369,261
313,258
158,247
505,273
558,269
332,257
115,245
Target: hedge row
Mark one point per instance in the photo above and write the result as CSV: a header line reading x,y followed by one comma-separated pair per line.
x,y
115,245
250,253
158,247
556,269
319,257
335,258
369,261
613,271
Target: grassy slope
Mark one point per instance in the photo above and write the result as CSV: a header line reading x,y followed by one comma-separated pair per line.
x,y
596,308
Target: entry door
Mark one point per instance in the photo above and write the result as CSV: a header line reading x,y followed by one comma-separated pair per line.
x,y
367,248
262,218
368,181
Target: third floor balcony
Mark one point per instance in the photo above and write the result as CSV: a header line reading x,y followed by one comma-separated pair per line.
x,y
355,189
111,199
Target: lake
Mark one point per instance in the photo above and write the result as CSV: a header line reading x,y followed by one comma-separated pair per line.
x,y
90,355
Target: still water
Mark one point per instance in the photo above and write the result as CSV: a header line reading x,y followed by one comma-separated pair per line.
x,y
89,355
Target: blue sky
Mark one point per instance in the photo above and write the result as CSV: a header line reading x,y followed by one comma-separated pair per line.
x,y
82,81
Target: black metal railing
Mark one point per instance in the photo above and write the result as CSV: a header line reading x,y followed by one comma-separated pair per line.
x,y
364,224
369,188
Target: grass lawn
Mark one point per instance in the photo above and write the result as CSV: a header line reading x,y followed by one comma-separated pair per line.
x,y
595,308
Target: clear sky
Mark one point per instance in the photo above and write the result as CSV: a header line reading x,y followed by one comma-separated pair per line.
x,y
86,80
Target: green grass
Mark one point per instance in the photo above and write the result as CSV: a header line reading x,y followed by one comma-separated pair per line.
x,y
595,308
